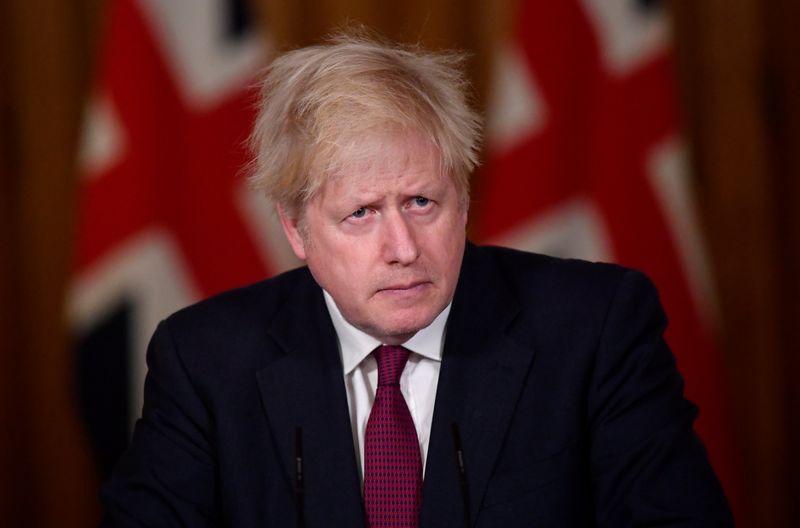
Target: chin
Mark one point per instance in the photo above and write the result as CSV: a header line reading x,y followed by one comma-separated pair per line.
x,y
407,328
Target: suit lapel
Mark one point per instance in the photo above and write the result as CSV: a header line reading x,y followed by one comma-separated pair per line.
x,y
483,372
304,388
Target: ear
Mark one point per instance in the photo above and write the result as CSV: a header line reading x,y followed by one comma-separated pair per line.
x,y
292,232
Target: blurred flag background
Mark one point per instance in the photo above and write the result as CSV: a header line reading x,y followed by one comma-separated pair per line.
x,y
164,214
586,159
123,198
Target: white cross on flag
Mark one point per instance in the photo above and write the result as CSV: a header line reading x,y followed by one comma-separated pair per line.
x,y
164,214
586,160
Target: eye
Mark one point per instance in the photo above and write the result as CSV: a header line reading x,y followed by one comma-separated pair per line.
x,y
361,212
421,201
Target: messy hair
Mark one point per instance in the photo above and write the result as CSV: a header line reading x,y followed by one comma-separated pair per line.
x,y
318,102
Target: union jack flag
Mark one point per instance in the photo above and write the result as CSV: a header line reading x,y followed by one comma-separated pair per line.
x,y
586,160
164,217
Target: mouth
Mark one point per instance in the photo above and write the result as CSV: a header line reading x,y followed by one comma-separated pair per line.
x,y
406,288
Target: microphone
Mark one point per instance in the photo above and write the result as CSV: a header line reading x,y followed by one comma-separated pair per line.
x,y
462,472
298,476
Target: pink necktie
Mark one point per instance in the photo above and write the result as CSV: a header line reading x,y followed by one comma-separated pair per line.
x,y
392,461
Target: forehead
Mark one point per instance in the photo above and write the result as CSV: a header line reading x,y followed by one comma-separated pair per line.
x,y
384,161
383,149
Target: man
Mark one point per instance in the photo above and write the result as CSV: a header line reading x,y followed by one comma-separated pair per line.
x,y
406,377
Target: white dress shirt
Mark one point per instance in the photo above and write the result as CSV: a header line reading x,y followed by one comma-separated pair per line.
x,y
417,383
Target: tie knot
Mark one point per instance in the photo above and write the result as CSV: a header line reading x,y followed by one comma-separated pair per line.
x,y
391,362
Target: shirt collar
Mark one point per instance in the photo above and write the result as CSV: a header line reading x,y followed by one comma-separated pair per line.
x,y
355,345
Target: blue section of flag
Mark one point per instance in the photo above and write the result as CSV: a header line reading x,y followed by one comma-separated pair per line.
x,y
239,19
649,6
103,386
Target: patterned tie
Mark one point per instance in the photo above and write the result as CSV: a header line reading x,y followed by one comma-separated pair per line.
x,y
392,461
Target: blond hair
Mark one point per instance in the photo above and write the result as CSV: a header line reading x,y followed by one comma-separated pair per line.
x,y
316,103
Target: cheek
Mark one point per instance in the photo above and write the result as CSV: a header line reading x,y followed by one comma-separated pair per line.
x,y
452,252
337,270
448,242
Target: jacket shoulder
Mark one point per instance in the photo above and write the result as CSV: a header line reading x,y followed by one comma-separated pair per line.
x,y
555,296
238,327
250,304
526,271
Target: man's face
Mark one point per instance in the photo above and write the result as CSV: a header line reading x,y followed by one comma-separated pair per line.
x,y
385,237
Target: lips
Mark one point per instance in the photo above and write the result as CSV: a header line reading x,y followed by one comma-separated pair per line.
x,y
404,287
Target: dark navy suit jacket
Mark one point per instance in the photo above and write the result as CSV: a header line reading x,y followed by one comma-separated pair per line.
x,y
567,400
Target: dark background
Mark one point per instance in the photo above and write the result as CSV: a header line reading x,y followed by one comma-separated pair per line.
x,y
739,75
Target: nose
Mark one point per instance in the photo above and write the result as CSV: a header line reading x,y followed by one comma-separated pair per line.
x,y
399,240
